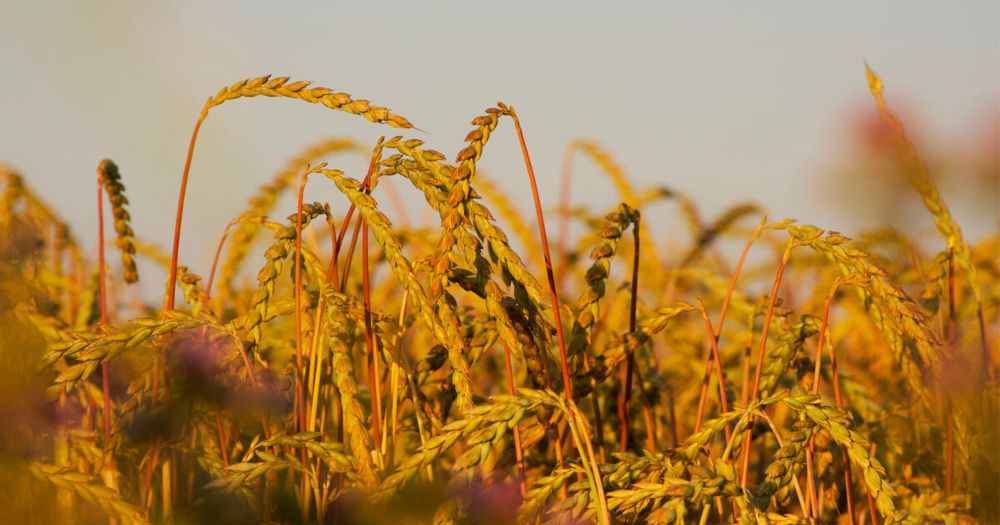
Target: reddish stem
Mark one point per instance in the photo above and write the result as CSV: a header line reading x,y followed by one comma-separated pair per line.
x,y
718,332
518,452
820,340
168,302
716,358
299,395
760,364
223,446
332,270
105,382
563,360
732,285
331,273
215,260
349,256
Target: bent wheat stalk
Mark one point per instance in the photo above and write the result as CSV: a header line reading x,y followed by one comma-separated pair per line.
x,y
277,87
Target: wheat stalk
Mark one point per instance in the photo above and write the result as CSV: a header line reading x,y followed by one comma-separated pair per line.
x,y
276,87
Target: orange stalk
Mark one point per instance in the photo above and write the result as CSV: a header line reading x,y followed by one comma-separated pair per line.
x,y
332,272
718,330
349,256
215,258
760,360
518,452
299,394
563,360
105,381
703,395
598,419
848,477
735,277
223,445
714,357
365,185
168,301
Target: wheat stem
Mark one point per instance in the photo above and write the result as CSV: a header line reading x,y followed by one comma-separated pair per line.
x,y
278,87
563,360
760,355
103,301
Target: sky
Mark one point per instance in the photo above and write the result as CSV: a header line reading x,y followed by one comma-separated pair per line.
x,y
728,102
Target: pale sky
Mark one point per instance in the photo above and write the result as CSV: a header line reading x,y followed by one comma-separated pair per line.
x,y
729,102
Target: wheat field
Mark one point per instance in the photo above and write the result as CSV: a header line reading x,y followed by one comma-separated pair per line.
x,y
480,371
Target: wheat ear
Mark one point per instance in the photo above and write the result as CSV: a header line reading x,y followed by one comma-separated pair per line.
x,y
276,87
115,190
444,327
916,170
92,491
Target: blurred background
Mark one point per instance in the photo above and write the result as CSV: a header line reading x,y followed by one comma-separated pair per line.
x,y
727,103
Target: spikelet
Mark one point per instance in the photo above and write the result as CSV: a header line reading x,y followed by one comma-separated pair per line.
x,y
459,196
283,245
519,325
193,294
89,350
788,463
463,293
125,241
354,416
610,167
838,423
621,348
597,275
542,490
697,491
90,490
281,87
499,415
506,209
779,357
916,170
903,325
442,322
511,264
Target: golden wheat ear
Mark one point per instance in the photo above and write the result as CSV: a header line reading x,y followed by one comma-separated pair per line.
x,y
270,87
112,179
